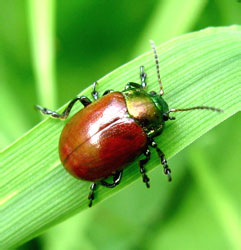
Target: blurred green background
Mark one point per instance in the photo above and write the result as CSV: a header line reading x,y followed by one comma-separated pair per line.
x,y
86,40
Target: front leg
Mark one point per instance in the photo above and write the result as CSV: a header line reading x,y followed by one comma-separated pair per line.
x,y
142,163
167,170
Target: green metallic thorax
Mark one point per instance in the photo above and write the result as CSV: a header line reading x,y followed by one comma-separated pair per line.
x,y
147,109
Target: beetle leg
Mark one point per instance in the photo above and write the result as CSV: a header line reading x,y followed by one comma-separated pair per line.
x,y
116,180
108,91
91,193
95,93
83,99
133,85
143,77
137,85
167,170
142,162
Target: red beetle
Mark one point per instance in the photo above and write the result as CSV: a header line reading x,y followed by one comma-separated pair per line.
x,y
104,137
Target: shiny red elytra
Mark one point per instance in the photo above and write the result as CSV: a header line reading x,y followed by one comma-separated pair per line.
x,y
101,139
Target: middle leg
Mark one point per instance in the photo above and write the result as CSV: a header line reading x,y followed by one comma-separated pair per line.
x,y
95,93
143,84
143,76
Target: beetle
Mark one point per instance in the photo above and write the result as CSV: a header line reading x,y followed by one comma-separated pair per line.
x,y
101,139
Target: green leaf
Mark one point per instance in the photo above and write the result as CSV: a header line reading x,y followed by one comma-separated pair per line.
x,y
200,68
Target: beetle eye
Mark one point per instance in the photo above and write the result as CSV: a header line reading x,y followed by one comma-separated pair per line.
x,y
152,93
165,117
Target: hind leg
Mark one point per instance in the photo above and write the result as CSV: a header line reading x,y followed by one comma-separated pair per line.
x,y
116,180
91,193
83,99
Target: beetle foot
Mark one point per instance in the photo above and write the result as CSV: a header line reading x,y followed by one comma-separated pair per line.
x,y
167,171
146,180
95,93
91,198
90,203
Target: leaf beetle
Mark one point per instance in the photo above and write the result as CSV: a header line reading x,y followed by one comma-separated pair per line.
x,y
101,139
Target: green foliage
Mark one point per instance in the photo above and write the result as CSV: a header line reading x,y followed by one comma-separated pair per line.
x,y
200,208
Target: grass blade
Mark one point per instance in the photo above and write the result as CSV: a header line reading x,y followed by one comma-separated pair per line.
x,y
200,68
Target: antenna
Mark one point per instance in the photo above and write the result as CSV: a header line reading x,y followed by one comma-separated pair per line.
x,y
157,66
198,107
